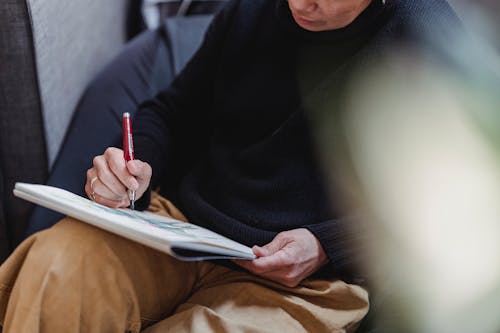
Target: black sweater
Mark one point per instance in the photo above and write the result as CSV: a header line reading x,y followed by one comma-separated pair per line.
x,y
230,142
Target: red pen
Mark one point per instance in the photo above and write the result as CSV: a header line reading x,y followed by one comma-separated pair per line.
x,y
128,149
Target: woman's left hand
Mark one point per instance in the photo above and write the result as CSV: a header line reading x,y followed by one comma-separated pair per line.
x,y
290,257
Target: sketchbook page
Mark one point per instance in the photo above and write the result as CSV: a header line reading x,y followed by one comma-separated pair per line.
x,y
148,225
197,234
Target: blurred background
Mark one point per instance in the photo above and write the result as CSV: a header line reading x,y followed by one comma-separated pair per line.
x,y
420,130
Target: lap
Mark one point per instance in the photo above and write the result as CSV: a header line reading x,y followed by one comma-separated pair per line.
x,y
72,256
229,300
178,296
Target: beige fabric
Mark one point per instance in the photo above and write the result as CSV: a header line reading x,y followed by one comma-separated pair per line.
x,y
77,278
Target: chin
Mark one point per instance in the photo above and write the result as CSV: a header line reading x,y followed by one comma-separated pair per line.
x,y
307,25
311,28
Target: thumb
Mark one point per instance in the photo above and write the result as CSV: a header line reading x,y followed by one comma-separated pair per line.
x,y
269,249
139,169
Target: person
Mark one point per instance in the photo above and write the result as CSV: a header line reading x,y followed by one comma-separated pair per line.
x,y
230,145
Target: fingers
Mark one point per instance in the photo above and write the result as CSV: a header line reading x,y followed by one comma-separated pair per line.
x,y
287,275
107,184
276,244
142,172
139,169
270,257
116,165
288,259
98,192
276,261
114,177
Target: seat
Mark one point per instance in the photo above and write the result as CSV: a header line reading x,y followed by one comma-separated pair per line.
x,y
48,55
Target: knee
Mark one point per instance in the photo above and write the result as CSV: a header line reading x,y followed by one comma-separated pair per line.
x,y
75,262
69,271
70,245
68,237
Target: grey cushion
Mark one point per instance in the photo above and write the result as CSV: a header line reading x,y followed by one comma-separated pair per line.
x,y
73,41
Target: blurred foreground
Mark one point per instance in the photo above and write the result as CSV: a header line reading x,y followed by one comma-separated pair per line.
x,y
421,132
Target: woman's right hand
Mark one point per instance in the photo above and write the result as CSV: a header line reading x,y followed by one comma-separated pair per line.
x,y
111,177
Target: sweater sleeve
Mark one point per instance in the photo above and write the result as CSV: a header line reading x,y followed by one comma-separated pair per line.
x,y
346,245
170,129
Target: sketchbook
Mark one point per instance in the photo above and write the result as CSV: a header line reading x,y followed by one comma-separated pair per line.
x,y
182,240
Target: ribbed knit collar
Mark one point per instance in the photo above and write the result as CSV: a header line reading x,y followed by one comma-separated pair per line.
x,y
363,24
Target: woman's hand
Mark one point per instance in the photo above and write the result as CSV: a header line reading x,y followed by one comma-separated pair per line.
x,y
111,177
291,257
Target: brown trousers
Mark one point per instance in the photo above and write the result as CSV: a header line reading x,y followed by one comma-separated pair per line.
x,y
77,278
